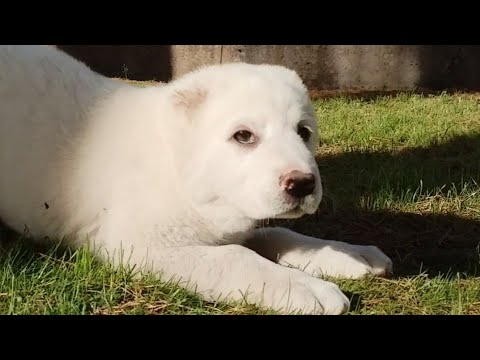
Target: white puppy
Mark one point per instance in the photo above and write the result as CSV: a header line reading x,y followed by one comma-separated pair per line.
x,y
174,177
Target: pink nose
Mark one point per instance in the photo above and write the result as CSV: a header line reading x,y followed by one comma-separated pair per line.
x,y
298,184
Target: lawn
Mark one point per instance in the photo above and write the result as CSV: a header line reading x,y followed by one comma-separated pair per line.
x,y
400,172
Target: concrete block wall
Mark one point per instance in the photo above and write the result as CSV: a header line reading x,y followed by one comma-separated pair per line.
x,y
323,67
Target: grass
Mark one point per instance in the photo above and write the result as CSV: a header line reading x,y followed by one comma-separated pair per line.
x,y
400,172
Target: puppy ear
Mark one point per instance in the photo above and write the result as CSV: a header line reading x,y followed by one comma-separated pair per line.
x,y
190,99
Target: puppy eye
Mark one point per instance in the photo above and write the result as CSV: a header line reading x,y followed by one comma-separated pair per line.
x,y
244,137
304,133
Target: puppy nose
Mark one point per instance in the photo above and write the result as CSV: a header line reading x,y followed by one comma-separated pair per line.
x,y
298,184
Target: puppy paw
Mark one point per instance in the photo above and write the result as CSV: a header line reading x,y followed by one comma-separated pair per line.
x,y
303,294
341,260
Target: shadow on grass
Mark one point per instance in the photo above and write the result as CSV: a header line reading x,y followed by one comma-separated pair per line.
x,y
17,252
438,243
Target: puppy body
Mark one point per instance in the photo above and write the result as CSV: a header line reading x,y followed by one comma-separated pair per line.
x,y
157,175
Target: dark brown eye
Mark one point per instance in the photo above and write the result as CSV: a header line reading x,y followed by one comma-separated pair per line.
x,y
244,137
304,133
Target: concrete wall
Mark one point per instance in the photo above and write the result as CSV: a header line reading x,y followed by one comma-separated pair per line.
x,y
323,67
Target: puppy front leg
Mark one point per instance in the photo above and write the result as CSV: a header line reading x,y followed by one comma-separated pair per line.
x,y
233,272
319,257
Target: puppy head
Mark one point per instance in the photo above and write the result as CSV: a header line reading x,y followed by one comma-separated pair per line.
x,y
251,133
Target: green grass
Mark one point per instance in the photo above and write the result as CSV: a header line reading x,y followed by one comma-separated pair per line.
x,y
400,172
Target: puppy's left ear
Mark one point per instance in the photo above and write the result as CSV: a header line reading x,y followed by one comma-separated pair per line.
x,y
190,99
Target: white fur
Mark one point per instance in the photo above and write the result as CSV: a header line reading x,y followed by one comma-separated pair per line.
x,y
155,173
